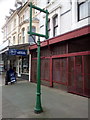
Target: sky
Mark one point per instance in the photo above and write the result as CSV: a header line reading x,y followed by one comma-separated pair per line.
x,y
5,6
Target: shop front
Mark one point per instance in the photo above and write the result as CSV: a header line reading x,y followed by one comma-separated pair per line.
x,y
65,62
19,58
25,67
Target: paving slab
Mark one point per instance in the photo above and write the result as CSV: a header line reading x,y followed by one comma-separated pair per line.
x,y
18,101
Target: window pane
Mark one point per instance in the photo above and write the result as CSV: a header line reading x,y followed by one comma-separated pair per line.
x,y
55,25
55,31
49,27
23,35
49,33
89,8
55,20
48,24
33,37
14,40
25,68
20,39
84,10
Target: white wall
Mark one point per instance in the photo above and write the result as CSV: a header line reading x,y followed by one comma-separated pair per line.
x,y
67,16
65,22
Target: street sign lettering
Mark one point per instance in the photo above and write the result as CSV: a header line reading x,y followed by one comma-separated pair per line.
x,y
17,52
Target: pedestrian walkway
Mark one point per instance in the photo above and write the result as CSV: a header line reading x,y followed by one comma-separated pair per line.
x,y
18,101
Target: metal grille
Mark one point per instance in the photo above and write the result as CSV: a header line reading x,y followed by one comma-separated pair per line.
x,y
87,75
71,81
61,48
60,70
34,70
79,75
75,76
45,69
70,71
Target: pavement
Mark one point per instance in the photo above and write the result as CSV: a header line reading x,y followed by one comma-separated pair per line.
x,y
18,101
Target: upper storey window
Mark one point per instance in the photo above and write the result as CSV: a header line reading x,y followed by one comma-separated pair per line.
x,y
49,28
55,25
83,9
23,35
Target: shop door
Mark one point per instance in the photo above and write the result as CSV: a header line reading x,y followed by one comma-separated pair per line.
x,y
60,71
86,69
45,71
79,75
75,75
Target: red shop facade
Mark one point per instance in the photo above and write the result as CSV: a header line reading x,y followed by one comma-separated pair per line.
x,y
65,62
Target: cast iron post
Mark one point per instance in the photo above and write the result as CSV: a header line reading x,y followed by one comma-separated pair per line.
x,y
38,107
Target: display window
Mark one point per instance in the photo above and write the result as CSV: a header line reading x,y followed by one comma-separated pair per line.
x,y
25,64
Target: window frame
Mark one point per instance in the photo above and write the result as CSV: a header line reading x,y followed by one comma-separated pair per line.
x,y
55,26
49,28
14,39
78,4
30,39
23,35
20,39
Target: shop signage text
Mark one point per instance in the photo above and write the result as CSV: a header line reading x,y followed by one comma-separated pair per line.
x,y
17,52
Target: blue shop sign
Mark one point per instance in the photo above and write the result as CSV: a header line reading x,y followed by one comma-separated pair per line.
x,y
17,52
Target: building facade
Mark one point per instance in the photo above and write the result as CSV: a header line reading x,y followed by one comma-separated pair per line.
x,y
64,15
65,55
16,36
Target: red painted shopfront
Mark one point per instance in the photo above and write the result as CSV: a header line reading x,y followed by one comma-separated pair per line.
x,y
65,62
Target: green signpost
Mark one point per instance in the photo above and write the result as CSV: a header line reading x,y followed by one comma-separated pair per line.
x,y
38,106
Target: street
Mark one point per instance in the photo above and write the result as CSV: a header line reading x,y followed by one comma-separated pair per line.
x,y
18,101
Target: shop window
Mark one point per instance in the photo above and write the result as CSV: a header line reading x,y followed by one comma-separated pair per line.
x,y
83,10
55,25
25,65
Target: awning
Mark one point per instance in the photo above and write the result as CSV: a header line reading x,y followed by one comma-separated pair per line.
x,y
4,50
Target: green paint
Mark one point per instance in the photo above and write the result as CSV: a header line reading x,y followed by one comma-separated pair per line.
x,y
38,108
47,24
35,7
46,29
